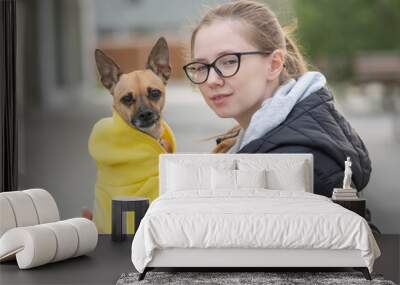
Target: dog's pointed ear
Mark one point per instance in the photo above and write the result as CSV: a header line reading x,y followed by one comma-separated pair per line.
x,y
158,60
108,69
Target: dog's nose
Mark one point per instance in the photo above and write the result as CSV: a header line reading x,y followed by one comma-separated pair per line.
x,y
146,116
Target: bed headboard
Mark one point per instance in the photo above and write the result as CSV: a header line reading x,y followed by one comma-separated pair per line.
x,y
245,159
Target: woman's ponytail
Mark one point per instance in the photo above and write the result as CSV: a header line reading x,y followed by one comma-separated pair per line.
x,y
295,65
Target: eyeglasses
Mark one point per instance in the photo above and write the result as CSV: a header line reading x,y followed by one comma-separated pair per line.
x,y
226,65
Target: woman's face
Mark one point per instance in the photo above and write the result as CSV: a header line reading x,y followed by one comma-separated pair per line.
x,y
239,96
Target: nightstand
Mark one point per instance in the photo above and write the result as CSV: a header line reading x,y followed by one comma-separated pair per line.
x,y
122,204
356,205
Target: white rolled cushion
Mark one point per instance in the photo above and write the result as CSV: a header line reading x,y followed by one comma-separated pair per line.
x,y
26,208
87,235
40,244
23,208
33,245
223,179
7,218
45,205
67,239
251,178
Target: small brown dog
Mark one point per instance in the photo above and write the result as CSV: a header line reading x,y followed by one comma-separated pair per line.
x,y
127,145
139,96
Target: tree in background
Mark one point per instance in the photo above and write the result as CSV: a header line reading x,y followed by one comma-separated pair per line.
x,y
332,32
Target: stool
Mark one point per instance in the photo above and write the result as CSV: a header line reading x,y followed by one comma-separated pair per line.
x,y
122,204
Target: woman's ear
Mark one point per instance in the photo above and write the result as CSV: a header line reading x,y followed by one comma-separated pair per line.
x,y
275,66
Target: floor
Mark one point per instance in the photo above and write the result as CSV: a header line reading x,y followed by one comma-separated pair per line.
x,y
102,266
111,259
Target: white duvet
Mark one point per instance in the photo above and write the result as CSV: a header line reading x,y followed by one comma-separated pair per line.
x,y
250,218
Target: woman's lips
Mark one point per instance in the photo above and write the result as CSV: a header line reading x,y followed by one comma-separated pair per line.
x,y
220,98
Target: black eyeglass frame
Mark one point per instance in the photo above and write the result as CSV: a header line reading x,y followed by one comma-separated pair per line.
x,y
212,64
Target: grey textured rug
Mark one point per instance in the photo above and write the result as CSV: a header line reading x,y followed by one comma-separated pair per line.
x,y
230,278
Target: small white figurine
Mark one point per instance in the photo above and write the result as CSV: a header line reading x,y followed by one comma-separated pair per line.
x,y
347,174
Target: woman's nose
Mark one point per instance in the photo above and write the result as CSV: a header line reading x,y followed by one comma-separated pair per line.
x,y
214,79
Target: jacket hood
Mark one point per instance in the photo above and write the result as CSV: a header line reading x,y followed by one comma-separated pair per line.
x,y
274,110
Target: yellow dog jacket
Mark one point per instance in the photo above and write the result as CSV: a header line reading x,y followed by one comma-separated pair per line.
x,y
127,165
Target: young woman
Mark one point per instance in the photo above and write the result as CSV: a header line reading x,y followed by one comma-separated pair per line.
x,y
248,69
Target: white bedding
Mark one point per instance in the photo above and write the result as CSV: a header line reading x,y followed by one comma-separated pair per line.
x,y
252,218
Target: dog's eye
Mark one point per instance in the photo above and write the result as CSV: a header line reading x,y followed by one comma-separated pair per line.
x,y
154,93
128,99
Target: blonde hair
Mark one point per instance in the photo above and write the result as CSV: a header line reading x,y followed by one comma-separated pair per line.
x,y
262,29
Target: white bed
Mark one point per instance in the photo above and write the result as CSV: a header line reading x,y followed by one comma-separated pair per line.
x,y
202,220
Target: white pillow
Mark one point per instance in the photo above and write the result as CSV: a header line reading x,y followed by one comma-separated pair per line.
x,y
282,174
182,177
186,174
223,179
251,178
293,179
227,179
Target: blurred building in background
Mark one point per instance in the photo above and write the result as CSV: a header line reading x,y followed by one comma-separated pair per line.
x,y
129,36
55,43
57,40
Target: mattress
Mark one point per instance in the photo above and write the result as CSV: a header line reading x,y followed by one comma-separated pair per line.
x,y
250,219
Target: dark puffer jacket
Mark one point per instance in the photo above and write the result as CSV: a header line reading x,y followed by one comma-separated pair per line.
x,y
315,126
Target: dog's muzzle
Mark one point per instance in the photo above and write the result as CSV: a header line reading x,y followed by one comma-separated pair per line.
x,y
145,119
